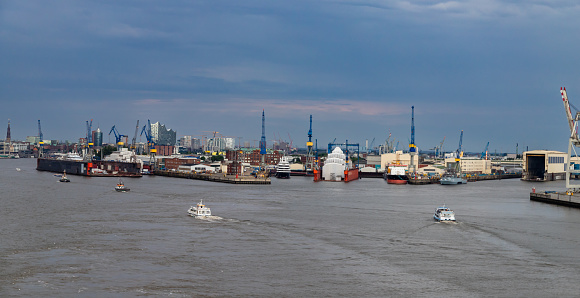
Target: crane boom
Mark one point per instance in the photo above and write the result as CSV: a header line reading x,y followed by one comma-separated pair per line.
x,y
135,136
40,136
567,109
459,153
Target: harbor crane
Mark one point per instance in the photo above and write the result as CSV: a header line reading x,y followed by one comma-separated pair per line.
x,y
88,153
484,153
412,146
459,154
150,143
309,153
40,140
574,140
118,137
134,141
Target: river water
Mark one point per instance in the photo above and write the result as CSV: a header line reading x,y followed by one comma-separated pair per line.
x,y
291,238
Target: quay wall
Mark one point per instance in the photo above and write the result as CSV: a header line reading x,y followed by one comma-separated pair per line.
x,y
556,198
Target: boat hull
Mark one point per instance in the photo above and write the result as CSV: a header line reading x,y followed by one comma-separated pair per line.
x,y
443,219
283,175
452,181
396,179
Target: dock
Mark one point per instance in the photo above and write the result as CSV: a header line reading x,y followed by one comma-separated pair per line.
x,y
220,177
552,197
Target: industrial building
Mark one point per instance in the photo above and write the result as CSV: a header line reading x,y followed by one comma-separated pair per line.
x,y
470,165
543,165
397,158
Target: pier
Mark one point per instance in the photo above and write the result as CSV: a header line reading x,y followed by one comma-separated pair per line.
x,y
223,178
552,197
435,180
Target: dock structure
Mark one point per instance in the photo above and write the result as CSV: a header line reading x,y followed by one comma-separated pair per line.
x,y
223,178
552,197
435,180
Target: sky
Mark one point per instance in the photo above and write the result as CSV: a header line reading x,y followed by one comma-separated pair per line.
x,y
492,68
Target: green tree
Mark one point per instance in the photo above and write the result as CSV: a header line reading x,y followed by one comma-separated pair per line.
x,y
217,158
107,150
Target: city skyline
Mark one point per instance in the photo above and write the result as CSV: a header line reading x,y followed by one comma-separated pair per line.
x,y
492,69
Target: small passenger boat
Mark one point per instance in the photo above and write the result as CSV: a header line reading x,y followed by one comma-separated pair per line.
x,y
199,211
121,187
64,178
444,214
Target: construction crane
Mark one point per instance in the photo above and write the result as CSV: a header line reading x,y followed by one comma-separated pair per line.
x,y
134,141
289,137
484,153
440,150
371,145
574,140
40,140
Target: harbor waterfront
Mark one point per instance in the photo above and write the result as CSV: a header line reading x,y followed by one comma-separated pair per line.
x,y
293,237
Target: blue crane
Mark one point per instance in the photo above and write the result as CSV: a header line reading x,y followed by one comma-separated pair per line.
x,y
263,139
118,136
459,153
484,153
89,133
40,140
147,130
412,147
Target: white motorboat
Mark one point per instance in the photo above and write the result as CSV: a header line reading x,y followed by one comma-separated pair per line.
x,y
199,211
444,214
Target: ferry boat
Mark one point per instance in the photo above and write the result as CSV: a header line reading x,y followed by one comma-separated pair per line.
x,y
121,187
199,211
396,174
444,214
64,178
283,168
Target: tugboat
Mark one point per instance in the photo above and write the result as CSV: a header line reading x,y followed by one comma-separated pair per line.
x,y
121,187
199,211
64,178
444,214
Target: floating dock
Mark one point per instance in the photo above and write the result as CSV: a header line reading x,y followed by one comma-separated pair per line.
x,y
552,197
216,177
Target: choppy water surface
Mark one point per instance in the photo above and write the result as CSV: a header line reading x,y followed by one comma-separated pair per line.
x,y
291,238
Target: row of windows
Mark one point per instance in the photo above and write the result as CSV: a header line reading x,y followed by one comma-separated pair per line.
x,y
556,159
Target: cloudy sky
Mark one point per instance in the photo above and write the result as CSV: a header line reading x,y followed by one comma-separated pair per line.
x,y
492,68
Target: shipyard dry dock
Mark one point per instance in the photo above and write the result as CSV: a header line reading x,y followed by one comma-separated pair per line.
x,y
552,197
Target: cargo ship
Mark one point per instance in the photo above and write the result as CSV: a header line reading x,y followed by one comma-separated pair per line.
x,y
396,174
75,165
